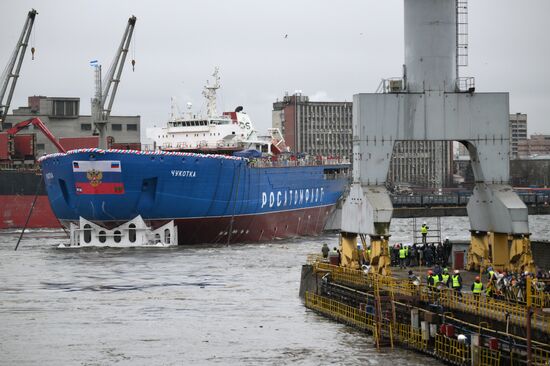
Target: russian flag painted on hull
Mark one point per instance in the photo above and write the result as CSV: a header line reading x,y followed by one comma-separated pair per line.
x,y
98,177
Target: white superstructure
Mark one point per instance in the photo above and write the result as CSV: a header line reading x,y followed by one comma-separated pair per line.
x,y
231,131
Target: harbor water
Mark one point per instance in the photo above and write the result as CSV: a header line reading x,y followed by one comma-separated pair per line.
x,y
200,305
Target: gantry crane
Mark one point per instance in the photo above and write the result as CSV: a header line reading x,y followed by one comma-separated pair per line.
x,y
11,73
430,102
104,97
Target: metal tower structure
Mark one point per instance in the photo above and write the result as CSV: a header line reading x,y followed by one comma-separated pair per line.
x,y
12,70
102,102
429,104
209,93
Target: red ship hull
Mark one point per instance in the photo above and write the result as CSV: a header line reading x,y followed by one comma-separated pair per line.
x,y
14,210
17,191
254,228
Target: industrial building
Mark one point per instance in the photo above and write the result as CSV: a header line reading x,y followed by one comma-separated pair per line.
x,y
518,132
318,128
61,115
325,128
538,146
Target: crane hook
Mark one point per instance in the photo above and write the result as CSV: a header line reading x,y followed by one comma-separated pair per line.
x,y
32,52
133,65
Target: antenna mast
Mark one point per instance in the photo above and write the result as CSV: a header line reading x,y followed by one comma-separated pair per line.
x,y
209,93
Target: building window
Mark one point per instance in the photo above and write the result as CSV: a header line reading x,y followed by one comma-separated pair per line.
x,y
131,127
65,108
40,146
86,127
116,127
7,125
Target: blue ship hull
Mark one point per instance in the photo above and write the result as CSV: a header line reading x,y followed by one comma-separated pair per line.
x,y
211,198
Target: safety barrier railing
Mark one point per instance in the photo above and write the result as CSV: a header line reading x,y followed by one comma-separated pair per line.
x,y
540,356
445,348
451,350
340,311
343,275
409,336
488,357
482,305
519,358
539,298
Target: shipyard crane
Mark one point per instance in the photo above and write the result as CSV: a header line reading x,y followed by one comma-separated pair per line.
x,y
37,122
102,102
11,72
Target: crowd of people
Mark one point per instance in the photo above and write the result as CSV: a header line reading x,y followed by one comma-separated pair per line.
x,y
426,255
498,285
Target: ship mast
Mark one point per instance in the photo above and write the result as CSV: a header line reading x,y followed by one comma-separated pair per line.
x,y
209,93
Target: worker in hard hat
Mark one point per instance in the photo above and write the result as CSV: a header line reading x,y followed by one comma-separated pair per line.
x,y
433,280
424,231
477,288
445,277
456,282
429,278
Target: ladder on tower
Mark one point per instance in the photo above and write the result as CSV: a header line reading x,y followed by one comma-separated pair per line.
x,y
463,84
434,231
461,33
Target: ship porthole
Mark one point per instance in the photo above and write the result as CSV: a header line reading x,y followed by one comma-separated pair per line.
x,y
102,237
87,233
118,236
132,233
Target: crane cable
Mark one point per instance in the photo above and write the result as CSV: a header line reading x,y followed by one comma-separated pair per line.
x,y
134,51
30,211
33,42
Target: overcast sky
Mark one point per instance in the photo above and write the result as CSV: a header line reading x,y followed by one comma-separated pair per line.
x,y
334,49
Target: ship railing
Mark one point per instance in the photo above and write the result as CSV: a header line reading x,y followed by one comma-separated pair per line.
x,y
266,162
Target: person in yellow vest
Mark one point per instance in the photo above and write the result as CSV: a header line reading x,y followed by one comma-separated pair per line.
x,y
402,257
445,277
424,231
456,282
477,288
433,281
